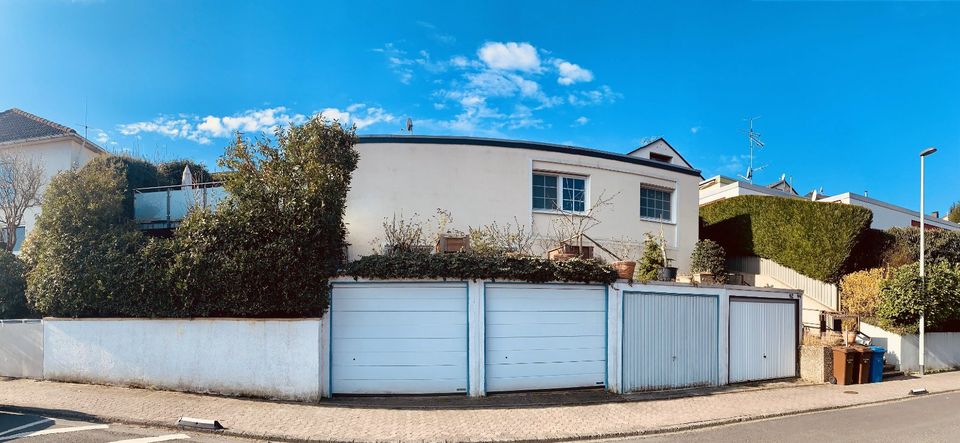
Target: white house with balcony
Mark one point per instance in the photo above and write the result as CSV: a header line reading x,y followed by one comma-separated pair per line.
x,y
54,146
481,181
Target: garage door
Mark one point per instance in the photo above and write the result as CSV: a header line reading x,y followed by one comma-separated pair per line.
x,y
669,341
763,339
544,336
395,338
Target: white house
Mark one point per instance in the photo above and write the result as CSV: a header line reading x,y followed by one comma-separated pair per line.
x,y
53,145
885,215
480,181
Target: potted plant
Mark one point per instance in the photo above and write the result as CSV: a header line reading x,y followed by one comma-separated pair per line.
x,y
570,228
624,266
651,261
709,260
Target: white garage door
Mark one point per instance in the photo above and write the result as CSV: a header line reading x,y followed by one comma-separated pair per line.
x,y
544,336
669,341
395,338
763,339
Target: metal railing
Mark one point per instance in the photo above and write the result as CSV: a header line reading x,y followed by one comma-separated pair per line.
x,y
166,206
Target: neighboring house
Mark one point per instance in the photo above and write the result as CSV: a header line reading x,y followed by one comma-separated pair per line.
x,y
885,215
481,181
53,145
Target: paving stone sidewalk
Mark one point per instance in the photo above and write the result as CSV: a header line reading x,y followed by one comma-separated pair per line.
x,y
335,422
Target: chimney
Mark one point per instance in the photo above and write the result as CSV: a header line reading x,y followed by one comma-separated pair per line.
x,y
866,193
935,214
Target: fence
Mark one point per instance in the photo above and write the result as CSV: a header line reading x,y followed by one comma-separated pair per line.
x,y
816,290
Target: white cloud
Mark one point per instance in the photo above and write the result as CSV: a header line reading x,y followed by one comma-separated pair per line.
x,y
695,129
102,137
334,114
580,121
594,97
202,130
571,73
372,117
510,56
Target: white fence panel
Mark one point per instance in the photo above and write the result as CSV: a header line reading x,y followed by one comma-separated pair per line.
x,y
819,291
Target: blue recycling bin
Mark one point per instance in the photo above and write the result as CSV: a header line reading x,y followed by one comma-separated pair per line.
x,y
876,364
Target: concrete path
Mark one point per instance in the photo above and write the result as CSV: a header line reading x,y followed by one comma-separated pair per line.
x,y
334,422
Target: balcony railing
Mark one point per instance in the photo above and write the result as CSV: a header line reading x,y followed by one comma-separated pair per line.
x,y
163,207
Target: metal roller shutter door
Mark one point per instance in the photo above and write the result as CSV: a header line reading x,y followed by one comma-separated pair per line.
x,y
669,341
544,336
398,338
763,339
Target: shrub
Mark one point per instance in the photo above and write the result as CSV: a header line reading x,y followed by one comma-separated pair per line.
x,y
815,239
904,246
135,172
860,292
954,214
82,257
902,299
13,302
648,268
472,266
708,256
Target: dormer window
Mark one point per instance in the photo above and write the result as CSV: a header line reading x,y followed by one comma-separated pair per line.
x,y
660,157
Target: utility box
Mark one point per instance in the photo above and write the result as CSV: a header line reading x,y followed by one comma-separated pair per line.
x,y
844,362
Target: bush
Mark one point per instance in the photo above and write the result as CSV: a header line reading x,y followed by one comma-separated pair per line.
x,y
902,300
815,239
13,301
860,292
648,268
708,256
904,246
136,173
83,256
472,266
954,214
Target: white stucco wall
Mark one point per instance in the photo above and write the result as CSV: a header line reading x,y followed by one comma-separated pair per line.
x,y
21,348
484,184
55,155
253,357
942,349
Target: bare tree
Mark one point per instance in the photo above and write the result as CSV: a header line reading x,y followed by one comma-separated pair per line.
x,y
20,181
572,225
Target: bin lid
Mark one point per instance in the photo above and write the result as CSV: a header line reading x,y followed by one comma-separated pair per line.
x,y
879,349
844,349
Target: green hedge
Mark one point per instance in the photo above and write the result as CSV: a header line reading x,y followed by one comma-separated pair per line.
x,y
13,302
813,238
901,298
903,246
468,266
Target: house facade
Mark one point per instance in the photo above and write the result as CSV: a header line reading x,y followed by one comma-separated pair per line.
x,y
885,215
652,190
54,146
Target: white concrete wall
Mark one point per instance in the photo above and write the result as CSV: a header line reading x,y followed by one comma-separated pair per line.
x,y
484,184
252,357
942,348
21,348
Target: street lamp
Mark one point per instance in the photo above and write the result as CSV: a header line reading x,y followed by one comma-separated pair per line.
x,y
923,258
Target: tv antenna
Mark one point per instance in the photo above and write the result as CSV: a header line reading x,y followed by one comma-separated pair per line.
x,y
755,144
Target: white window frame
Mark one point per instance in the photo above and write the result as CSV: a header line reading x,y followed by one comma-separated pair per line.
x,y
673,204
560,176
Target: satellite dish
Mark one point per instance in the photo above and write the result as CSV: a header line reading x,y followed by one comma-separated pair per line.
x,y
409,124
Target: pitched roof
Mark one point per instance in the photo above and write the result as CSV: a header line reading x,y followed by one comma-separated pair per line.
x,y
783,185
17,125
665,142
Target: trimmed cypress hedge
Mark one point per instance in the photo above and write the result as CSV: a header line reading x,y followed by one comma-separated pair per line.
x,y
814,238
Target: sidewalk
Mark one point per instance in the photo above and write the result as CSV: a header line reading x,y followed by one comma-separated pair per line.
x,y
336,422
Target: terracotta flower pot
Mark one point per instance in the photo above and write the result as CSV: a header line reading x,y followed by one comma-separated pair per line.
x,y
625,268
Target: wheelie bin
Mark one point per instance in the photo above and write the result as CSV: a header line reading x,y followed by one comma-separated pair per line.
x,y
861,373
844,360
876,364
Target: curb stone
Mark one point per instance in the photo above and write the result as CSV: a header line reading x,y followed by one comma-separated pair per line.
x,y
658,431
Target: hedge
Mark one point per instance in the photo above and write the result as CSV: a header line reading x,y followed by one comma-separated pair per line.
x,y
901,298
13,302
470,266
903,246
814,238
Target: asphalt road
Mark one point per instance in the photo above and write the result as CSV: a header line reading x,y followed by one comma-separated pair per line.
x,y
932,418
39,429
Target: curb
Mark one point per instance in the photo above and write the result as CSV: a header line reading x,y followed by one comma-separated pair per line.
x,y
68,415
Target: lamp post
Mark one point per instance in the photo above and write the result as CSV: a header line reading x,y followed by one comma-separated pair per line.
x,y
923,258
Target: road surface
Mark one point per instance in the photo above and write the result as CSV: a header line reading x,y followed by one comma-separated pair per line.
x,y
931,418
39,429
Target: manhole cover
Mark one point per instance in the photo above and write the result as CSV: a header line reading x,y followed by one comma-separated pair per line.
x,y
850,392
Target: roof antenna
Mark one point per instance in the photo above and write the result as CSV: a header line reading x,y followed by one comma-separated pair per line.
x,y
755,142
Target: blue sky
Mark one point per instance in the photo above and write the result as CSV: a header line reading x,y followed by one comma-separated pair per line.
x,y
849,93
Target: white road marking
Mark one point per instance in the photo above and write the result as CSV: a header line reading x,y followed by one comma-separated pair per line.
x,y
28,425
167,437
53,431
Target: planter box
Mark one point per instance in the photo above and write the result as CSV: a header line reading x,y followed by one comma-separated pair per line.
x,y
569,251
452,243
